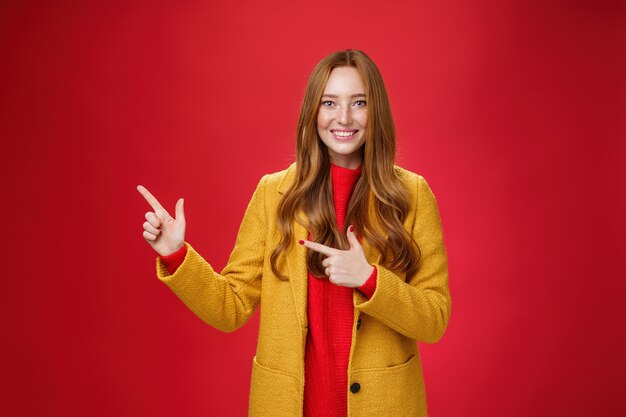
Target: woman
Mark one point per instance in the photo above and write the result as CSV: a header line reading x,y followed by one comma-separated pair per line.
x,y
343,249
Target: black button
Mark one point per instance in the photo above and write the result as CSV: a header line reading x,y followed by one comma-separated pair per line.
x,y
355,387
358,324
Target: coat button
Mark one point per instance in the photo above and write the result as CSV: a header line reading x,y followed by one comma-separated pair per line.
x,y
355,387
358,324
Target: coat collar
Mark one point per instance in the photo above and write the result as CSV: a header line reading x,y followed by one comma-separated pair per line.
x,y
287,178
296,258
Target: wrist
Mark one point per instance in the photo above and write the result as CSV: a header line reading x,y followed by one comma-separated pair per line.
x,y
172,253
369,286
369,272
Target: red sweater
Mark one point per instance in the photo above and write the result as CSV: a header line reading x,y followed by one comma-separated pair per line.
x,y
331,317
330,314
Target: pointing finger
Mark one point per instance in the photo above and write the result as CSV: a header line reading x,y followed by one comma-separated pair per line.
x,y
318,247
154,203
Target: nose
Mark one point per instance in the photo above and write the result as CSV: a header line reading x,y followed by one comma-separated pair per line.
x,y
345,117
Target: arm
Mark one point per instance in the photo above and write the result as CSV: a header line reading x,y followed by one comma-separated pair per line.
x,y
419,307
228,299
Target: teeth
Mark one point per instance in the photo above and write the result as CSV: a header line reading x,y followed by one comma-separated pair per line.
x,y
343,134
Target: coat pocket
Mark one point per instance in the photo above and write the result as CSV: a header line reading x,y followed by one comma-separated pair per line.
x,y
392,391
273,393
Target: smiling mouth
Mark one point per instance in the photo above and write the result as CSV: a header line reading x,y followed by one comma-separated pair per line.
x,y
344,133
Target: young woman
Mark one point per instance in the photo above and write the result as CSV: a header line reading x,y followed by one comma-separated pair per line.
x,y
343,249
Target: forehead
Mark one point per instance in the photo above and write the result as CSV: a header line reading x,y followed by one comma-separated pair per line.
x,y
344,80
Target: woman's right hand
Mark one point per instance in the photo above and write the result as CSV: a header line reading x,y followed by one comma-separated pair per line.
x,y
164,233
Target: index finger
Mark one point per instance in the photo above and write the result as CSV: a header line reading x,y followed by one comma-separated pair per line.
x,y
154,203
318,247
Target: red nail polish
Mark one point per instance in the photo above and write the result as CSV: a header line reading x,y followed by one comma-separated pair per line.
x,y
301,242
351,228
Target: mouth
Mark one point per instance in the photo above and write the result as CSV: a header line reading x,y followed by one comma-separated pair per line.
x,y
344,134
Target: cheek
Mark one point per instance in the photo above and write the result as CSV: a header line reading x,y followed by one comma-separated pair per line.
x,y
322,121
362,119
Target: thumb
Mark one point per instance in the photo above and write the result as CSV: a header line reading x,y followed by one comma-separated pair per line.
x,y
180,210
354,242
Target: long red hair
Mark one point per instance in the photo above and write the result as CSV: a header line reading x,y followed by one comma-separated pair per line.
x,y
311,191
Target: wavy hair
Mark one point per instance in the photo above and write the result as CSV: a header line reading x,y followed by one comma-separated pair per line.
x,y
309,199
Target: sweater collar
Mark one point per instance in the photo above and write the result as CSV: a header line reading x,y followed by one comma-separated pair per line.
x,y
344,179
345,174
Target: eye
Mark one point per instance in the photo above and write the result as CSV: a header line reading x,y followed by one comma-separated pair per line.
x,y
324,103
363,103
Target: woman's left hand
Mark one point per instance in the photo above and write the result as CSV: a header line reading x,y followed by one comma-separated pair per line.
x,y
348,268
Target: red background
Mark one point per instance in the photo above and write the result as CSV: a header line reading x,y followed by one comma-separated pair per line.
x,y
513,111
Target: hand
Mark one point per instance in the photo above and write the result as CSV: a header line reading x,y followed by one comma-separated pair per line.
x,y
164,233
348,268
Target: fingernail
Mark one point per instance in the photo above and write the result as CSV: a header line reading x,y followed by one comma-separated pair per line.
x,y
351,228
301,242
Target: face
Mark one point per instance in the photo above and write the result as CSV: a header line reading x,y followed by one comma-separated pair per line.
x,y
342,117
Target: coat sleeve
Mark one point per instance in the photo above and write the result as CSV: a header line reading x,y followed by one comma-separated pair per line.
x,y
228,299
419,307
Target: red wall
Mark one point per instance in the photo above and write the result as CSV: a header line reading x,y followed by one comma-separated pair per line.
x,y
513,111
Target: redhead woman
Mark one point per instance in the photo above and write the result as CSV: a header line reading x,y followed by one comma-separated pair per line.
x,y
344,250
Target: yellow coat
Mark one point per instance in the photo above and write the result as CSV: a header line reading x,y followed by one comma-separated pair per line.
x,y
384,357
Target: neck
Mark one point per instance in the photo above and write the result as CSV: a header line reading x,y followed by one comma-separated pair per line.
x,y
337,168
346,163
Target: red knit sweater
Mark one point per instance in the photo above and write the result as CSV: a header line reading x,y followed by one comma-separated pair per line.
x,y
330,314
331,317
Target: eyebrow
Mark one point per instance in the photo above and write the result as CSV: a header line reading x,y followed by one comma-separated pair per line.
x,y
336,96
